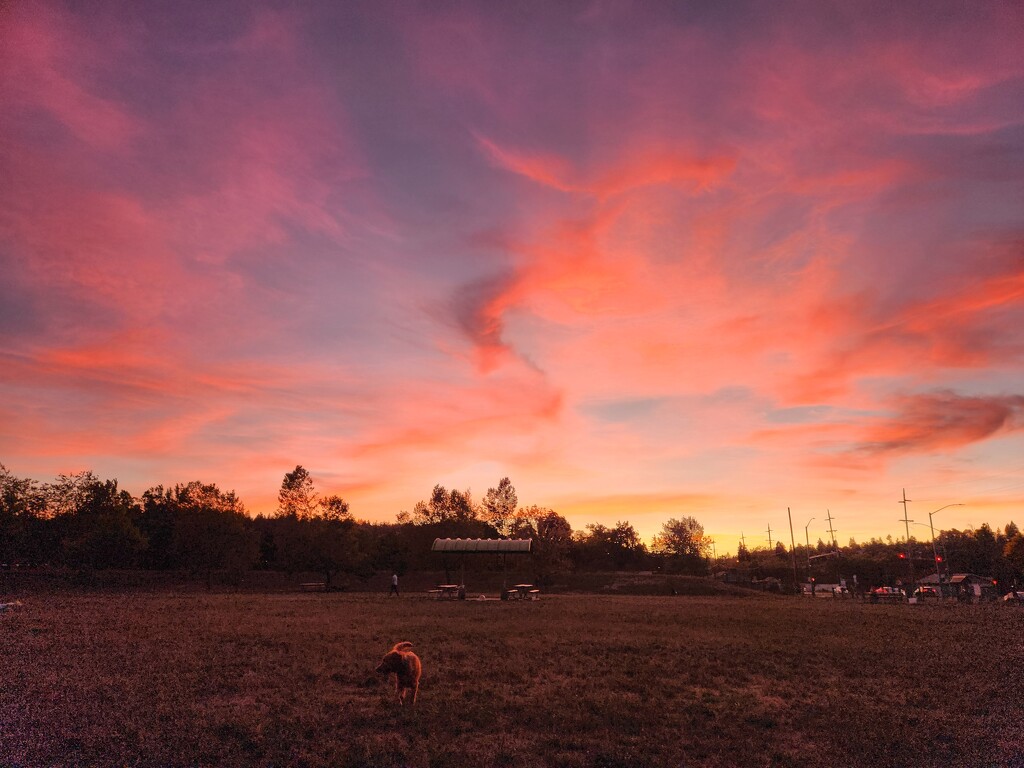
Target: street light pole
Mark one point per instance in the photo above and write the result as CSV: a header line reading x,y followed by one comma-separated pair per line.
x,y
935,552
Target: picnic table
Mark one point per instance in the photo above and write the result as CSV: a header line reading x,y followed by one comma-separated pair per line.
x,y
523,592
445,592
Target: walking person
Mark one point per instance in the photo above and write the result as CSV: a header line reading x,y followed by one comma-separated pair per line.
x,y
394,586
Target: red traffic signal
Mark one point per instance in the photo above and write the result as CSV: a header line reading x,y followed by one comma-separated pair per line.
x,y
938,558
903,555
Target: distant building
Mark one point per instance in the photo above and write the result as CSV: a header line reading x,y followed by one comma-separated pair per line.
x,y
972,588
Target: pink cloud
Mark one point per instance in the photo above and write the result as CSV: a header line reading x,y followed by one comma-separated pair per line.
x,y
941,420
52,65
653,167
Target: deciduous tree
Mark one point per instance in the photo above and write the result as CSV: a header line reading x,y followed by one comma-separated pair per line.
x,y
212,532
297,497
21,503
552,538
500,506
444,506
1014,553
100,531
334,508
602,547
683,542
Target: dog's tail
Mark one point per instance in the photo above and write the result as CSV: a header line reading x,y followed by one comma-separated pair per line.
x,y
402,646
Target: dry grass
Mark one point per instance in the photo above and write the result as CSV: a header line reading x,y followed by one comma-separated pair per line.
x,y
240,680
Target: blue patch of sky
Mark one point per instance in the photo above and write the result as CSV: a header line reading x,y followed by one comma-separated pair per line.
x,y
627,410
800,415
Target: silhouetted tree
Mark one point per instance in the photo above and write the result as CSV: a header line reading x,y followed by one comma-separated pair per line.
x,y
601,547
681,537
21,504
683,544
1013,551
156,522
334,508
313,534
331,545
443,506
211,531
500,506
100,532
391,550
552,538
297,497
67,494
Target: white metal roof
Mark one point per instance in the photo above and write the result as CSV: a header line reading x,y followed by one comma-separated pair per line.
x,y
474,546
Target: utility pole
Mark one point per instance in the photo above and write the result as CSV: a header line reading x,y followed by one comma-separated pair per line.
x,y
769,536
832,531
807,539
906,522
792,551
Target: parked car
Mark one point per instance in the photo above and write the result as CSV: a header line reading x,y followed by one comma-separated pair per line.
x,y
1014,597
888,594
926,592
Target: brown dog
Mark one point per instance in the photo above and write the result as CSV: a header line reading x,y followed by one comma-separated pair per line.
x,y
407,668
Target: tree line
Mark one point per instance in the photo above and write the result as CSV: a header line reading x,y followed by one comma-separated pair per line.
x,y
83,521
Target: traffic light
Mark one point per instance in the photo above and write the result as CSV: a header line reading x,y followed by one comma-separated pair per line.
x,y
903,555
938,558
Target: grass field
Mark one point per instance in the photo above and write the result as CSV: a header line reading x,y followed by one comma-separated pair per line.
x,y
287,680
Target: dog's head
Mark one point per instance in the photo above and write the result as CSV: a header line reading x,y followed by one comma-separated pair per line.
x,y
392,662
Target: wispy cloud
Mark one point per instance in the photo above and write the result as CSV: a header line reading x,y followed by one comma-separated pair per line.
x,y
941,420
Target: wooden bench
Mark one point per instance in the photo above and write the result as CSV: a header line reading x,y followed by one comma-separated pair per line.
x,y
314,586
435,593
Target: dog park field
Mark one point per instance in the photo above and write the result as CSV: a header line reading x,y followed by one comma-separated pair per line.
x,y
571,680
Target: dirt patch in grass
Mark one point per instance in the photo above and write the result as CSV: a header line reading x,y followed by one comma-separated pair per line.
x,y
287,680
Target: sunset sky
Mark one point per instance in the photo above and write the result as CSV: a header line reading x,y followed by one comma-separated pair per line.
x,y
645,259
